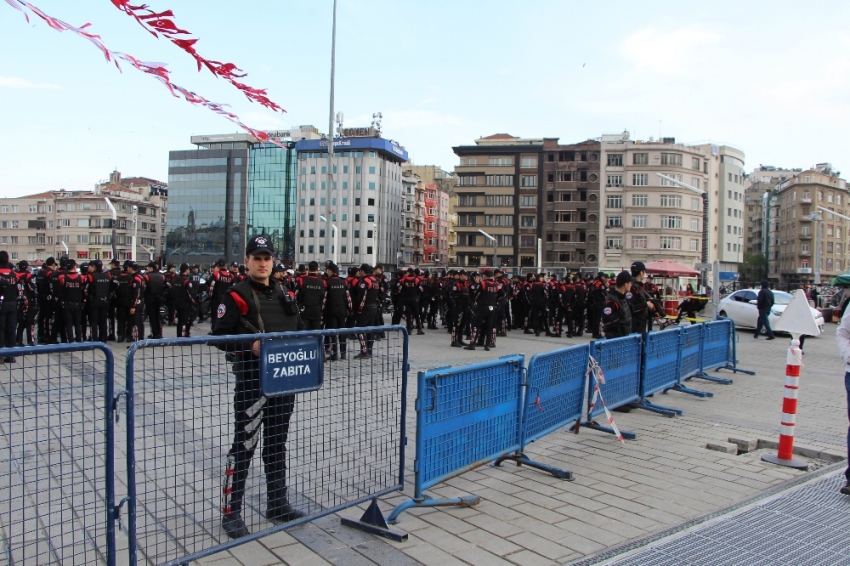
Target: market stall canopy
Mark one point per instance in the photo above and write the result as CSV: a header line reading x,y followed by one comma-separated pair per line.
x,y
842,280
668,268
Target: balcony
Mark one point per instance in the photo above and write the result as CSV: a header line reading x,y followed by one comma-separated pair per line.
x,y
805,236
805,253
806,200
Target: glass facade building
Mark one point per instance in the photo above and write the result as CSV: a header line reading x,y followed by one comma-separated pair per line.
x,y
226,191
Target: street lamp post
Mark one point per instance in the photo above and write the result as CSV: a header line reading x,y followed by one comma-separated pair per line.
x,y
114,222
819,236
331,127
704,194
495,246
336,240
375,247
135,230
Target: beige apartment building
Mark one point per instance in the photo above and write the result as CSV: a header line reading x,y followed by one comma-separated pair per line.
x,y
43,225
762,215
646,217
812,244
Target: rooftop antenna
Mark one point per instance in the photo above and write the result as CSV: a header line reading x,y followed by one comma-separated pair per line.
x,y
339,118
376,121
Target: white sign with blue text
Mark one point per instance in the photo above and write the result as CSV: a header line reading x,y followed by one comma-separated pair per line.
x,y
291,365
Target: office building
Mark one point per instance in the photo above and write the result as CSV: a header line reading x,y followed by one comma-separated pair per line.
x,y
227,190
80,224
363,199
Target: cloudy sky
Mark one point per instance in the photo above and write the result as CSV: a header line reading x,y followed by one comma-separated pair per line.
x,y
769,77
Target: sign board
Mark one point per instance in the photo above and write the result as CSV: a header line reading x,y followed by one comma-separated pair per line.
x,y
703,267
359,132
291,365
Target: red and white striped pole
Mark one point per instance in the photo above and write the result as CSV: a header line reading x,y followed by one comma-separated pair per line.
x,y
785,455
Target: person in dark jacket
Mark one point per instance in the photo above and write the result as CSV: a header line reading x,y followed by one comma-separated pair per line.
x,y
617,311
8,303
764,304
255,306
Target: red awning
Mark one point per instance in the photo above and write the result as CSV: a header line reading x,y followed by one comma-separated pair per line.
x,y
669,268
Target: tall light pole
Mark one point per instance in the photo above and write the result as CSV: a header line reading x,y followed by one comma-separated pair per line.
x,y
375,246
678,183
135,230
495,246
114,222
330,180
336,240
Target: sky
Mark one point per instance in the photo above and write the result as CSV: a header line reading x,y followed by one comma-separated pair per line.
x,y
771,78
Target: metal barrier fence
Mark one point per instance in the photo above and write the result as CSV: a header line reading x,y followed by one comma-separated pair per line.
x,y
323,450
465,417
719,350
56,446
661,367
619,359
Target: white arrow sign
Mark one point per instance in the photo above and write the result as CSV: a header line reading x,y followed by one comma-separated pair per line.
x,y
798,318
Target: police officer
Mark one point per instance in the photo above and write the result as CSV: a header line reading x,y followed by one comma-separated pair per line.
x,y
185,301
115,275
154,291
71,295
97,290
485,300
538,295
45,301
58,333
121,292
597,297
365,308
410,289
459,308
136,322
27,305
310,294
8,303
337,307
220,281
251,307
617,312
169,276
643,307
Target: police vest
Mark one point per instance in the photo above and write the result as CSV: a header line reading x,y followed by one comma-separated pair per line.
x,y
42,283
99,287
223,282
72,287
489,293
8,285
155,283
335,297
312,291
270,310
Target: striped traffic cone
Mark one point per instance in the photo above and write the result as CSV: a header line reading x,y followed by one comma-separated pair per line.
x,y
785,455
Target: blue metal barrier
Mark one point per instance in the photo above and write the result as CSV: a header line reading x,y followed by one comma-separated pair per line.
x,y
691,355
57,488
554,398
619,359
661,367
344,444
465,417
719,350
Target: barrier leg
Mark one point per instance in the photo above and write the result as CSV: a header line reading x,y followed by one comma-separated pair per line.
x,y
701,394
733,366
373,522
666,411
465,501
596,426
720,380
522,460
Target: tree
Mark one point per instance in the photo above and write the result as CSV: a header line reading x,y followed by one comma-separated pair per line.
x,y
754,267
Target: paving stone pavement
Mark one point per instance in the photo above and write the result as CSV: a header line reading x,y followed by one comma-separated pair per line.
x,y
621,492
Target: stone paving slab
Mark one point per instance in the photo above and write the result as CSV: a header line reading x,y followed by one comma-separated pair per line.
x,y
622,491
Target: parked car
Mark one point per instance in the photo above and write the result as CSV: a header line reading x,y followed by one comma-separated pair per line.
x,y
740,306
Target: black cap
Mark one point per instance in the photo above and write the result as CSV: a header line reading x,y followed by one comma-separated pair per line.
x,y
411,271
234,264
221,262
487,273
23,264
331,266
624,277
366,268
128,263
352,271
69,263
97,264
50,261
114,262
313,266
153,264
169,266
637,267
259,245
184,267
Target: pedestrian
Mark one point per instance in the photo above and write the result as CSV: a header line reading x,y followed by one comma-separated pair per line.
x,y
27,305
764,303
8,304
814,295
45,301
185,301
256,306
71,295
617,312
115,316
643,307
336,308
97,290
154,291
310,294
220,281
365,307
485,299
842,336
597,296
136,321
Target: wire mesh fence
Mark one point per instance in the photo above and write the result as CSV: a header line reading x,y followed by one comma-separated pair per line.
x,y
208,444
56,474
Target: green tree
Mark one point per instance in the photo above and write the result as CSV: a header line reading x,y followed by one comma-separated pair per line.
x,y
754,267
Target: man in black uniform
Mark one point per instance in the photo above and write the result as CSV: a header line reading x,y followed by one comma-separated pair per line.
x,y
45,301
256,306
383,290
115,274
185,301
459,308
136,324
410,288
58,333
579,306
597,298
365,307
485,301
97,290
154,291
643,308
310,294
538,296
337,307
71,294
169,276
617,312
8,303
220,281
27,304
121,291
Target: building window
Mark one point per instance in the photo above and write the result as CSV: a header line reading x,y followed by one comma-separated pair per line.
x,y
640,200
671,159
527,241
507,241
694,245
528,202
614,201
527,221
615,160
671,201
370,218
639,242
666,182
639,221
529,180
466,200
372,170
464,161
640,179
614,243
671,243
671,221
528,162
695,182
640,159
500,161
356,249
467,180
615,180
615,222
695,224
695,201
695,164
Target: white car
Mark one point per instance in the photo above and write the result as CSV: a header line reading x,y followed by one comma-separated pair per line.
x,y
740,306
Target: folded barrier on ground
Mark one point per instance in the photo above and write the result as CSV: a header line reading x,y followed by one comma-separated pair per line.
x,y
619,359
57,501
555,385
465,417
196,407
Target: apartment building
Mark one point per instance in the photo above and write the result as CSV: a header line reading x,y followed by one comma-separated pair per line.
x,y
646,217
571,203
762,215
412,218
79,223
812,245
498,194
